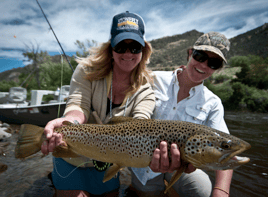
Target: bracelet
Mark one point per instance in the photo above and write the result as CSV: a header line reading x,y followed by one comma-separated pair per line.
x,y
222,190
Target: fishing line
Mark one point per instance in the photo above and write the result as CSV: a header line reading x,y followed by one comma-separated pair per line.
x,y
55,36
60,93
64,177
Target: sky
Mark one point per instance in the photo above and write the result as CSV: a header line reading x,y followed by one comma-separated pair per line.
x,y
23,24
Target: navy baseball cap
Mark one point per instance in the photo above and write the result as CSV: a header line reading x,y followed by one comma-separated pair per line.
x,y
127,26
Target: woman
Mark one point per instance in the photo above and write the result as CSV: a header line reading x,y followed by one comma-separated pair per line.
x,y
113,81
181,95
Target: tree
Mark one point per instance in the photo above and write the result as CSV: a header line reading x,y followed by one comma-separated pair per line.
x,y
254,71
36,58
85,47
239,61
55,74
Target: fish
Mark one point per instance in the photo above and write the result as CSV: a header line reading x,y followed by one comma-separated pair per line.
x,y
3,167
128,142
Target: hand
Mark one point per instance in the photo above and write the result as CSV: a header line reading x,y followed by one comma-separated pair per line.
x,y
180,69
53,139
160,161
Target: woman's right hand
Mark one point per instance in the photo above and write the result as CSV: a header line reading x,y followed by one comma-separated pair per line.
x,y
53,139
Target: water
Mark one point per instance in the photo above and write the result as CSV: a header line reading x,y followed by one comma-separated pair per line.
x,y
250,180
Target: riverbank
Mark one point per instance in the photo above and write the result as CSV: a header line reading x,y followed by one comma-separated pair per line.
x,y
21,175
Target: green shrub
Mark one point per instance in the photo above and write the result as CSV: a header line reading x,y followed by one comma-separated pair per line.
x,y
221,78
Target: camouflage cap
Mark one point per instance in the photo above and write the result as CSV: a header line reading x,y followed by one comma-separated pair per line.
x,y
213,42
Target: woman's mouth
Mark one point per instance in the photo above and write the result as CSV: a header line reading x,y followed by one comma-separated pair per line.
x,y
200,71
127,59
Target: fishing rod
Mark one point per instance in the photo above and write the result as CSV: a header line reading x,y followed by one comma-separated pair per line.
x,y
55,35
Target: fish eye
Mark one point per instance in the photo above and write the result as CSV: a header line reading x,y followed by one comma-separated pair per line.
x,y
226,145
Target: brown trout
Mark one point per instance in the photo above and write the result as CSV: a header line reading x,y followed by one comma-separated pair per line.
x,y
128,142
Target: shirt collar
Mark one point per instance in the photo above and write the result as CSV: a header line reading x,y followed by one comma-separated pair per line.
x,y
193,90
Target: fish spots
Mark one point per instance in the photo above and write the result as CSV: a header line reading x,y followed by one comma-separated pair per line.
x,y
139,138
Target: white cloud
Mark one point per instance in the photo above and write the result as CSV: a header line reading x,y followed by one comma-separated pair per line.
x,y
91,19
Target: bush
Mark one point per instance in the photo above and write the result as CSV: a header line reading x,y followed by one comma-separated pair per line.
x,y
221,78
255,99
5,85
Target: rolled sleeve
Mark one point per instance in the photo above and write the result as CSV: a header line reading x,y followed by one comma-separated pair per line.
x,y
145,104
80,92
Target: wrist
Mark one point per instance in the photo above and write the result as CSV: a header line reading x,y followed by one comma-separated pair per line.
x,y
75,120
223,191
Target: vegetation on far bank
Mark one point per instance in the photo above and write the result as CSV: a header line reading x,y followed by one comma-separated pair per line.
x,y
247,89
243,85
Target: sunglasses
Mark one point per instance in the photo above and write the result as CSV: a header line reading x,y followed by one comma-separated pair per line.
x,y
213,63
134,47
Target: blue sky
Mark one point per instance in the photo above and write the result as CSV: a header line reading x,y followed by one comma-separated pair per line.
x,y
22,22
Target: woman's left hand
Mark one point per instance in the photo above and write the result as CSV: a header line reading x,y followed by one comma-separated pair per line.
x,y
160,161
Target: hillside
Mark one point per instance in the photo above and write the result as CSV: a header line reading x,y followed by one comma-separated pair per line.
x,y
170,52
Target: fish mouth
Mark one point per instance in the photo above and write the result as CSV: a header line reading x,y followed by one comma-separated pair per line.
x,y
233,156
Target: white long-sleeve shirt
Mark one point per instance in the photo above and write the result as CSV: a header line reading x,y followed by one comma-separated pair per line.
x,y
201,107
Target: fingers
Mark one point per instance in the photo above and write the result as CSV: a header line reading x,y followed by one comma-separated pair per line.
x,y
160,160
44,148
155,161
51,125
175,158
164,161
54,139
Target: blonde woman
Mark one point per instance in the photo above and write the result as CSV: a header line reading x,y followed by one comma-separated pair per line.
x,y
113,81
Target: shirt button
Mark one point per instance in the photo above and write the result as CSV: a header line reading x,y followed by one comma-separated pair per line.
x,y
174,108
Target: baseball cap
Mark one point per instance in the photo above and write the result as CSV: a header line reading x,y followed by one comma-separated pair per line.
x,y
213,42
127,26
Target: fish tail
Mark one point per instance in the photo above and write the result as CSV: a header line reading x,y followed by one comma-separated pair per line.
x,y
30,140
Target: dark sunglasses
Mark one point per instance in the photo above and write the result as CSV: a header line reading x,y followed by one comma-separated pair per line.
x,y
134,47
213,63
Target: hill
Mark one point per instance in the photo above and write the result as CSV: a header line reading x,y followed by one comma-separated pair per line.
x,y
171,51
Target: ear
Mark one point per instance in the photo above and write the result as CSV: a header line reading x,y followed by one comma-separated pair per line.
x,y
190,51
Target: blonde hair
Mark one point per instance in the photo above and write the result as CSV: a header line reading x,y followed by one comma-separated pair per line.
x,y
100,65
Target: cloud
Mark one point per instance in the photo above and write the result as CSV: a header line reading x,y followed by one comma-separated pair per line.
x,y
22,21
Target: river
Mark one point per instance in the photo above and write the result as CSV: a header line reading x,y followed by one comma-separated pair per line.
x,y
250,180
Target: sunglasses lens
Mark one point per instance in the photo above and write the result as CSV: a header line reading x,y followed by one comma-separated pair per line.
x,y
121,47
134,47
200,56
213,63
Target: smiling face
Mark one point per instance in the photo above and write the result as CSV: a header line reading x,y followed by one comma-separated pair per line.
x,y
199,71
126,62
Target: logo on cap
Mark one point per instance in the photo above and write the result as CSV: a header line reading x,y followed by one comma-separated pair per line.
x,y
127,23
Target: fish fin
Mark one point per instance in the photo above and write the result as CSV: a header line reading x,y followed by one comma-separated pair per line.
x,y
176,176
64,151
30,140
111,172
